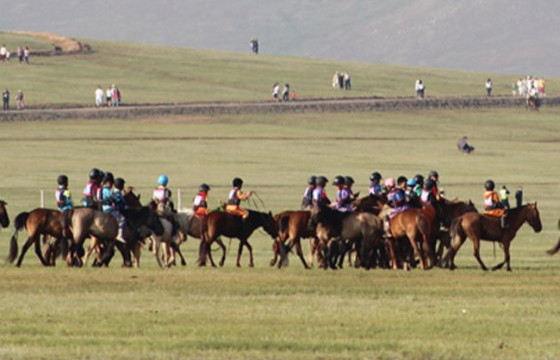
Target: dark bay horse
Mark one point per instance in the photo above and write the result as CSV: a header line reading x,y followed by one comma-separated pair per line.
x,y
478,227
338,231
37,222
233,226
370,203
4,218
292,227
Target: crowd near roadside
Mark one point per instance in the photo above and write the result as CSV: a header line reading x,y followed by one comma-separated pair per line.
x,y
22,54
110,97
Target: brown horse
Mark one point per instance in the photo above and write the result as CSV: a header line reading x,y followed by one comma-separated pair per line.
x,y
414,225
292,227
338,231
555,249
233,226
479,227
81,223
370,203
37,222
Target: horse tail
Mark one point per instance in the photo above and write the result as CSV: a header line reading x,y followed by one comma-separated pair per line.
x,y
19,223
456,230
284,223
558,224
65,221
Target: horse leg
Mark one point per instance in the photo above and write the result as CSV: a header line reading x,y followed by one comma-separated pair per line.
x,y
177,250
239,252
202,253
506,258
89,250
313,245
136,251
40,253
555,249
156,247
299,252
24,249
275,252
125,253
416,251
476,248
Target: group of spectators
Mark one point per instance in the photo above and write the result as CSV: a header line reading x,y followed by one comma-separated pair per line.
x,y
529,86
20,104
287,94
342,80
21,52
110,97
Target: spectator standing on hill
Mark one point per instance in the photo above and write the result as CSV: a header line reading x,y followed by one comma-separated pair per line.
x,y
275,91
286,93
489,87
419,87
109,96
519,197
6,99
19,100
347,81
254,46
116,96
340,80
99,96
20,54
3,53
26,54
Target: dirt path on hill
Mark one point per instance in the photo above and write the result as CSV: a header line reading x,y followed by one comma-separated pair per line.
x,y
199,110
62,45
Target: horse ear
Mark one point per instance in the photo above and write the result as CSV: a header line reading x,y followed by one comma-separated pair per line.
x,y
138,196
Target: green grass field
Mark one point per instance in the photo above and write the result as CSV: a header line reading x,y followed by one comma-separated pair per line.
x,y
264,313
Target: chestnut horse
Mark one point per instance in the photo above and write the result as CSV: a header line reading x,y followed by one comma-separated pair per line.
x,y
479,227
37,222
292,227
233,226
414,225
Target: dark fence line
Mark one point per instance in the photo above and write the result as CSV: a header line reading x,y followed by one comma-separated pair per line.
x,y
300,106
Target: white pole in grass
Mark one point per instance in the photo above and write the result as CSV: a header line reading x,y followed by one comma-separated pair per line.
x,y
42,198
179,202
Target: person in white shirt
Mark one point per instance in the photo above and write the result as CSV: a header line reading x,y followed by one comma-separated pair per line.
x,y
99,96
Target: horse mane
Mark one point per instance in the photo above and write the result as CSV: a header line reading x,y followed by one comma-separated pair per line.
x,y
515,210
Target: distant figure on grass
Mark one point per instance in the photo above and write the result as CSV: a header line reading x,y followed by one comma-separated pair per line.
x,y
20,54
19,100
275,91
286,93
3,53
463,145
519,197
489,87
26,54
109,96
347,81
116,96
6,99
99,96
254,46
420,88
335,80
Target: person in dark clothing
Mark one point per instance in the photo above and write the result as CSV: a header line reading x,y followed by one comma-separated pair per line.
x,y
519,197
6,99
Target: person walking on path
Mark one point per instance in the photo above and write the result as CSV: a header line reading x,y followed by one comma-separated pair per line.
x,y
489,87
6,99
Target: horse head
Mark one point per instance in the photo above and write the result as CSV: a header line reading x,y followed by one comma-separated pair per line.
x,y
269,224
4,219
533,217
131,199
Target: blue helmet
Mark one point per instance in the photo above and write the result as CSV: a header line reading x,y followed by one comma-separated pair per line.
x,y
411,182
163,180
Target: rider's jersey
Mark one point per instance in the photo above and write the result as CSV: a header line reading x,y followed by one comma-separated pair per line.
x,y
63,198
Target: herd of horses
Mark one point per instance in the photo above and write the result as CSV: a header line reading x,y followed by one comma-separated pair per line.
x,y
424,236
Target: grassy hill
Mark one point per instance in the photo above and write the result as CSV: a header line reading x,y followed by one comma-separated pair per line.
x,y
148,74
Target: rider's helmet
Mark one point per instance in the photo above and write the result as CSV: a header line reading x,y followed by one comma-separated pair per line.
x,y
94,174
108,177
390,183
489,185
338,180
162,180
429,184
401,180
349,180
204,187
312,180
375,176
119,183
322,181
411,182
419,179
433,175
62,180
237,182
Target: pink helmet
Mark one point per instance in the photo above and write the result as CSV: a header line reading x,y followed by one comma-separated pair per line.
x,y
390,182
